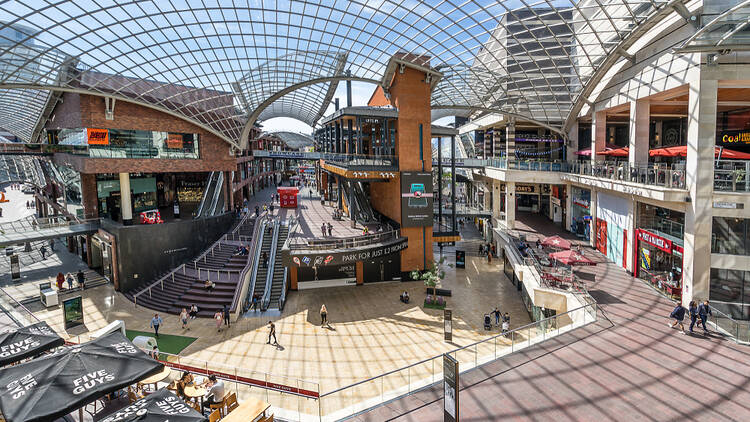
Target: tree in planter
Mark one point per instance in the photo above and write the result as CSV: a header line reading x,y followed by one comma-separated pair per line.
x,y
431,276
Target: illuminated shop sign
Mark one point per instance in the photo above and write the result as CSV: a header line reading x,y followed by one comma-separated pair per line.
x,y
581,202
174,141
525,188
736,137
655,241
97,136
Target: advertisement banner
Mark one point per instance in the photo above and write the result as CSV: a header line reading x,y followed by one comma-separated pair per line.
x,y
73,312
448,324
655,241
174,141
97,136
450,389
416,199
460,259
345,256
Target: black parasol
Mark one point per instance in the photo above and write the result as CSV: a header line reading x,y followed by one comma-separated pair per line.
x,y
54,385
27,341
157,407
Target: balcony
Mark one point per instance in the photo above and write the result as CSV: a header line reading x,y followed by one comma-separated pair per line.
x,y
732,176
361,161
650,174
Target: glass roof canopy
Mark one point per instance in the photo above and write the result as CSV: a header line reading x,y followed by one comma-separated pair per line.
x,y
222,64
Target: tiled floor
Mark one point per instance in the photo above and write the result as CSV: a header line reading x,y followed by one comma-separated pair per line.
x,y
632,368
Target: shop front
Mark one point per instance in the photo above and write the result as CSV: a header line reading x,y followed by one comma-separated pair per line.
x,y
528,198
611,235
659,261
580,212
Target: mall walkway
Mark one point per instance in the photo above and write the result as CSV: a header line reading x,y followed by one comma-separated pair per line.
x,y
634,368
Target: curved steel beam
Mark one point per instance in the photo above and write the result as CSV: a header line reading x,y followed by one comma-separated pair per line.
x,y
507,113
614,56
243,141
122,98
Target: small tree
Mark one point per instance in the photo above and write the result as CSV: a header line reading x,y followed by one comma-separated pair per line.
x,y
432,276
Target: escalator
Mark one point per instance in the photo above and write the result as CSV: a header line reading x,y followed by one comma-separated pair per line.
x,y
260,272
364,211
279,273
213,196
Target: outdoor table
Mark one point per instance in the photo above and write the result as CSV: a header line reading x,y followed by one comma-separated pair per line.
x,y
156,378
249,410
195,391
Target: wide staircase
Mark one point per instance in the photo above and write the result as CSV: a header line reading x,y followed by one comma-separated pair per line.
x,y
185,285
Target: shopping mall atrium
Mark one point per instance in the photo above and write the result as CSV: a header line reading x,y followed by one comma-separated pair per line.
x,y
371,210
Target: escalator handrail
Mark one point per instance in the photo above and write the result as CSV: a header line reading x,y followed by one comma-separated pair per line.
x,y
217,191
271,264
282,298
202,204
256,246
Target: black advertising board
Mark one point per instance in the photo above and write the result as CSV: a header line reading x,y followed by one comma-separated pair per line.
x,y
448,324
15,267
450,389
416,199
343,257
73,312
460,259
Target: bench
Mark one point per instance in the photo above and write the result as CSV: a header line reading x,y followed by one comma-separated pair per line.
x,y
438,292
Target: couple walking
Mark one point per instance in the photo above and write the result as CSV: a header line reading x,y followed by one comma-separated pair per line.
x,y
694,311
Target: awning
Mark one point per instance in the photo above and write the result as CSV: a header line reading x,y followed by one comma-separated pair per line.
x,y
160,406
27,341
571,258
52,386
681,151
618,152
587,151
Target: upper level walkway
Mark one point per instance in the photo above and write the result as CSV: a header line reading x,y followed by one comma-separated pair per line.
x,y
34,229
634,368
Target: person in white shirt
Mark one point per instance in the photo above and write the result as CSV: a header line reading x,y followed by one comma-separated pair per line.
x,y
215,394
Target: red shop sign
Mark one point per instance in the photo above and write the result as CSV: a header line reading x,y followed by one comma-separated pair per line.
x,y
656,241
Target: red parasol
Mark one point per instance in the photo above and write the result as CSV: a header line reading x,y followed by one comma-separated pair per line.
x,y
556,242
619,152
571,258
681,151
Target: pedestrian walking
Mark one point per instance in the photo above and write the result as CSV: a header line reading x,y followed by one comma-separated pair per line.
x,y
218,317
184,318
330,230
156,322
489,256
323,315
272,333
193,311
69,280
43,251
226,316
703,312
323,229
270,207
52,244
60,281
497,313
81,279
506,326
678,314
257,210
693,312
264,258
506,318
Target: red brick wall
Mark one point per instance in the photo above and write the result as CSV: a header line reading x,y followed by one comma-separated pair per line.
x,y
89,195
67,114
214,152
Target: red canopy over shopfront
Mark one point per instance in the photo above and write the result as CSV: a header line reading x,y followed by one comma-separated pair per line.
x,y
681,151
556,242
571,258
618,152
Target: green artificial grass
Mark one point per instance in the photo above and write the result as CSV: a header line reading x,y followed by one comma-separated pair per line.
x,y
434,306
167,343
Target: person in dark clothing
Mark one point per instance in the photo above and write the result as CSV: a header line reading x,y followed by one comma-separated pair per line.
x,y
703,312
81,279
496,312
693,313
678,314
272,333
323,229
226,316
330,230
43,251
257,211
265,259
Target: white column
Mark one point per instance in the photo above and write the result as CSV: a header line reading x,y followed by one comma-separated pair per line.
x,y
572,144
640,113
510,139
496,199
510,205
701,133
568,205
630,250
598,134
592,211
126,204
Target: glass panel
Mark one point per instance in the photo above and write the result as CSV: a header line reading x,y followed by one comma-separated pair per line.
x,y
729,236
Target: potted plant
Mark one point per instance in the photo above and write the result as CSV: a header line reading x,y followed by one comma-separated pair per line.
x,y
431,277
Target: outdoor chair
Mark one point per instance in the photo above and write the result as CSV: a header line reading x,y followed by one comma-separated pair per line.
x,y
214,416
219,406
231,402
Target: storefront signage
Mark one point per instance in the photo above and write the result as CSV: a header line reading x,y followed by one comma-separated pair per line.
x,y
174,141
581,202
736,137
555,201
97,136
525,188
339,257
655,241
729,205
450,389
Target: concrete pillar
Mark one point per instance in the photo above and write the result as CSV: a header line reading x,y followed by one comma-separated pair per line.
x,y
293,278
510,139
496,199
510,205
440,183
359,271
126,203
640,113
630,250
598,135
592,211
568,205
701,133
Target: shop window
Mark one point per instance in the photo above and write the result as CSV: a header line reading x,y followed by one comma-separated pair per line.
x,y
727,285
730,236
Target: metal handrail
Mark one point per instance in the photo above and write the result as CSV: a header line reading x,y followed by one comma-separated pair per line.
x,y
239,293
266,299
654,174
544,321
217,192
344,242
282,298
258,232
737,324
16,304
202,204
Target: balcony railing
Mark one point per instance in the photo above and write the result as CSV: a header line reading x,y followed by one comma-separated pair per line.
x,y
360,160
653,174
732,176
663,225
299,243
529,165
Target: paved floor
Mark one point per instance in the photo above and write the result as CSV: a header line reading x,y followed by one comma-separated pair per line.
x,y
15,208
632,368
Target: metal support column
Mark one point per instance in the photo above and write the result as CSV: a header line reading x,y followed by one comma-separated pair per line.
x,y
440,183
352,207
453,183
